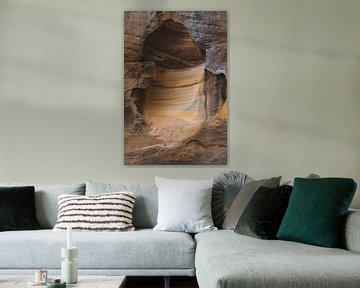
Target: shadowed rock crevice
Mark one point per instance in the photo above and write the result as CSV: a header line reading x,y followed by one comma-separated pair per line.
x,y
214,84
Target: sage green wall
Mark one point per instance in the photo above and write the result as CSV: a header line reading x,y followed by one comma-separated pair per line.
x,y
294,88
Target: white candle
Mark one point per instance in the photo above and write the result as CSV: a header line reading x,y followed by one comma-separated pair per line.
x,y
69,237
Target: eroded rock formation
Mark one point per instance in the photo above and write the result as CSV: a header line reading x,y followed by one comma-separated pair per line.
x,y
175,88
175,101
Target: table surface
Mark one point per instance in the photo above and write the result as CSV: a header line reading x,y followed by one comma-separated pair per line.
x,y
84,281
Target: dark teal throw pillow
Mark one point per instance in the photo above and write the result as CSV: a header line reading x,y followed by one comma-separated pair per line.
x,y
17,208
264,212
316,211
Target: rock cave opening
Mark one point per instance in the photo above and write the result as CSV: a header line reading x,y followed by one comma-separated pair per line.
x,y
174,106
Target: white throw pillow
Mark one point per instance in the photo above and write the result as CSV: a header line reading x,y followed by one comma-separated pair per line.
x,y
104,212
184,205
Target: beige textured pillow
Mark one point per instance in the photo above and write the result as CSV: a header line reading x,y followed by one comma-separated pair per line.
x,y
243,198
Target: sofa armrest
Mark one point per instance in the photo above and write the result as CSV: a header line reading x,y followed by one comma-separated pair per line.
x,y
351,234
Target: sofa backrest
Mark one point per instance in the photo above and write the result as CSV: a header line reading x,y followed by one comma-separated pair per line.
x,y
146,203
46,200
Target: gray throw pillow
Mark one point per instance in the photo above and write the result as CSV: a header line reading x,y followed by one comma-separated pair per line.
x,y
184,205
242,199
226,187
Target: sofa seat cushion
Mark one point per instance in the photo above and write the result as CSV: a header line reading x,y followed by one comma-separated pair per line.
x,y
226,259
142,249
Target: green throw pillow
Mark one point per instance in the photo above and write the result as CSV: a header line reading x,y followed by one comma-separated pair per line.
x,y
316,211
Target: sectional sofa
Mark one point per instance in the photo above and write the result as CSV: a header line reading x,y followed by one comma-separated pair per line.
x,y
219,259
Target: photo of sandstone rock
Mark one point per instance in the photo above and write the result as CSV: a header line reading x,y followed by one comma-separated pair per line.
x,y
175,88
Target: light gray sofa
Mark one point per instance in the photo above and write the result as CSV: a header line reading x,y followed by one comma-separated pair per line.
x,y
226,259
219,259
142,252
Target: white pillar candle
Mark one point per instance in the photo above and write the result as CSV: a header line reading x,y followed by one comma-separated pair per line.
x,y
69,237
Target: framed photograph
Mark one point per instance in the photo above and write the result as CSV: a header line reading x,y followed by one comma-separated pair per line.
x,y
175,88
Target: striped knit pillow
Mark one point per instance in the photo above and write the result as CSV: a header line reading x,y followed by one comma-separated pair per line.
x,y
105,212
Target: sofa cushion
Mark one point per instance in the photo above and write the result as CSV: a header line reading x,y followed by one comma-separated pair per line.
x,y
263,215
350,239
46,200
137,250
317,209
225,259
184,205
17,208
105,212
225,189
243,198
146,205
